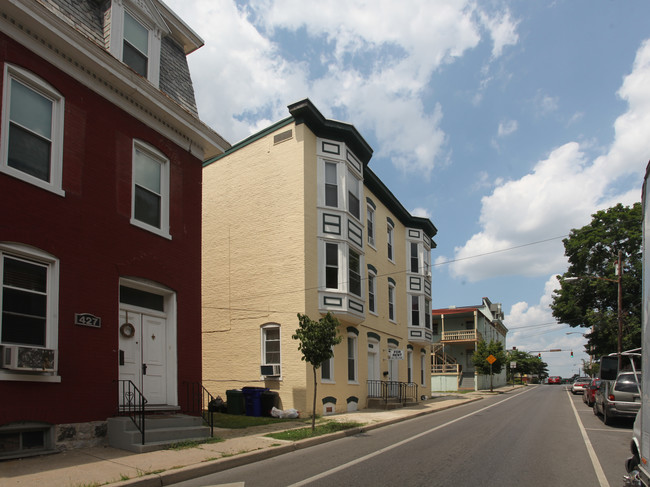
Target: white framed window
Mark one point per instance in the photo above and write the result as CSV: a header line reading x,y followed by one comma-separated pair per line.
x,y
389,231
423,365
135,47
29,297
32,130
372,292
391,301
331,266
354,272
409,366
150,193
331,185
352,358
415,310
427,313
354,206
135,38
327,370
271,353
415,260
370,225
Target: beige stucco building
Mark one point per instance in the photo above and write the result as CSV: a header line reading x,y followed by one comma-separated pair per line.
x,y
294,221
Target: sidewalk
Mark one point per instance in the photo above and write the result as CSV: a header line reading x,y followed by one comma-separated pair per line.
x,y
98,466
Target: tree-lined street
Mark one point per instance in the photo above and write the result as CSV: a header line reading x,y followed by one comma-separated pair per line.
x,y
531,436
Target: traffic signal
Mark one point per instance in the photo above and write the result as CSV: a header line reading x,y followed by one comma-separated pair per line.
x,y
572,353
539,355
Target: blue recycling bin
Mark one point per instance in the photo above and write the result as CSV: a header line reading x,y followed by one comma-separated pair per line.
x,y
253,400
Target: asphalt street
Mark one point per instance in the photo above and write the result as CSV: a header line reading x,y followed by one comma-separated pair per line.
x,y
537,436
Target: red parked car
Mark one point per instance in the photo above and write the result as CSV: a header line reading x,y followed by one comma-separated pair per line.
x,y
589,392
555,379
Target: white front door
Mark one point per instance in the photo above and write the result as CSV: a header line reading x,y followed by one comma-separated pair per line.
x,y
143,355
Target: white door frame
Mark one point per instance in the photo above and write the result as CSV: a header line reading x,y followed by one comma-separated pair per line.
x,y
169,315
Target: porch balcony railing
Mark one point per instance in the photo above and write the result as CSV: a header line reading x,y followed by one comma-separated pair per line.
x,y
393,389
445,368
461,336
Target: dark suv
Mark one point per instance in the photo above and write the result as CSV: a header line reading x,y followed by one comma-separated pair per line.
x,y
620,398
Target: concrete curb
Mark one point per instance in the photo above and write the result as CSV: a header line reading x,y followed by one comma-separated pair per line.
x,y
190,472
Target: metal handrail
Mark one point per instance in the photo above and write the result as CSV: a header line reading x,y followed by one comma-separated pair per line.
x,y
198,400
132,403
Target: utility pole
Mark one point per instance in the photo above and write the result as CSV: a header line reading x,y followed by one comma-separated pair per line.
x,y
620,308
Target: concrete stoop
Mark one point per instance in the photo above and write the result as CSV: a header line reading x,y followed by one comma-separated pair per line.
x,y
160,432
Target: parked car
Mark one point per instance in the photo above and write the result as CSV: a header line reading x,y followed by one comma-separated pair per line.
x,y
620,398
555,379
590,390
578,386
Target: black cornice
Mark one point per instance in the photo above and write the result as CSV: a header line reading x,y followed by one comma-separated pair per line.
x,y
305,112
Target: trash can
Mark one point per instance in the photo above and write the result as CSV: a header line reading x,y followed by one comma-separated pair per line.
x,y
270,400
235,401
253,400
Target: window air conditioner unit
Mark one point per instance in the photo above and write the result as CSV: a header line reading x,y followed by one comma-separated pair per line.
x,y
18,357
271,370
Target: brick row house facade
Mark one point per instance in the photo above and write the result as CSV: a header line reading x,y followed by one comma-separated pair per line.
x,y
294,221
100,237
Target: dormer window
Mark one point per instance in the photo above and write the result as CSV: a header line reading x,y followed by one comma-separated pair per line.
x,y
135,50
136,29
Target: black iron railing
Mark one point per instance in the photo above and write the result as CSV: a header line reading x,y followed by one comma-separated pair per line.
x,y
199,401
392,389
131,404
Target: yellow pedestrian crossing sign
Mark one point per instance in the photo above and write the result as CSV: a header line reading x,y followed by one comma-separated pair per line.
x,y
491,359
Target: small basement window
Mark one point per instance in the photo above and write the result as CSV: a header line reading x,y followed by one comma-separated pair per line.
x,y
23,440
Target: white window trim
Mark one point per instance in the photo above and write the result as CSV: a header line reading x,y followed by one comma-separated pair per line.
x,y
352,182
332,376
361,279
263,329
393,318
43,88
339,263
423,369
374,291
409,366
355,338
390,240
322,187
52,333
117,37
371,237
410,302
163,231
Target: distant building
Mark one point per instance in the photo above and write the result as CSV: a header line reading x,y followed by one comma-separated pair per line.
x,y
100,237
294,221
457,331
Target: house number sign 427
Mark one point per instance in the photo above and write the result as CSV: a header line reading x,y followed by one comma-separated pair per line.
x,y
86,319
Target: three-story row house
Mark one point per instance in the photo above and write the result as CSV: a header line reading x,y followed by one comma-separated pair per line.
x,y
294,221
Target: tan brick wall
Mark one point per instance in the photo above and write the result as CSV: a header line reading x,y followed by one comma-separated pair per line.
x,y
253,264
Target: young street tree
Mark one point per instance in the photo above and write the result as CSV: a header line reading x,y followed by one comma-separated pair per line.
x,y
483,351
525,363
590,300
317,341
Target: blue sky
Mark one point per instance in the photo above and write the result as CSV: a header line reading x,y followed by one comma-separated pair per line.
x,y
507,123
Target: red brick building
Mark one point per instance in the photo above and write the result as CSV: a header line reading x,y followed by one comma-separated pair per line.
x,y
100,233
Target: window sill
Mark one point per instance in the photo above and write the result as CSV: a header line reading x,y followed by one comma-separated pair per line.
x,y
28,377
327,381
26,178
149,228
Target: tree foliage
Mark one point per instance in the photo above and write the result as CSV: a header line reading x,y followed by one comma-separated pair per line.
x,y
483,351
316,342
526,364
591,301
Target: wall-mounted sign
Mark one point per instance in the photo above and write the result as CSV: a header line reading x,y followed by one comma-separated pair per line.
x,y
395,354
86,319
